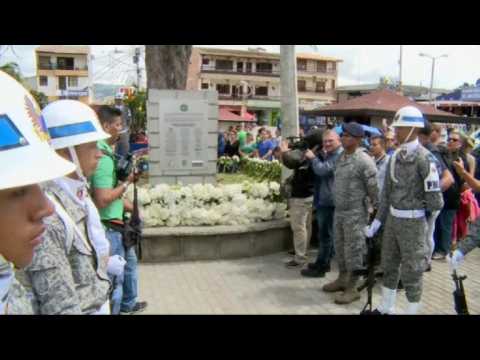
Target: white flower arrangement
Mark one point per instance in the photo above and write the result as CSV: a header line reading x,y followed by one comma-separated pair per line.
x,y
208,205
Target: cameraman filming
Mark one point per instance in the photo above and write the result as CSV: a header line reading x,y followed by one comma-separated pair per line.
x,y
108,195
300,195
323,165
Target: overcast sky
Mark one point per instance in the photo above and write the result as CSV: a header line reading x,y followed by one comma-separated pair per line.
x,y
361,63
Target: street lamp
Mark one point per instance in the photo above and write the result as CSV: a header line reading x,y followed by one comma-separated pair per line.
x,y
433,69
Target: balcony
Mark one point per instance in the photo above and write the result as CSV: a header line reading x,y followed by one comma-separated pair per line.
x,y
317,72
212,70
57,67
250,97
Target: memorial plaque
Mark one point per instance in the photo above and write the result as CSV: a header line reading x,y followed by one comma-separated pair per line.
x,y
183,133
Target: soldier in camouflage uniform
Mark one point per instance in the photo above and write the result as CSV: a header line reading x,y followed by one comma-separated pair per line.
x,y
68,274
27,160
355,181
412,188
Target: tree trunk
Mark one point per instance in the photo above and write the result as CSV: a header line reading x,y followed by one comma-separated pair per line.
x,y
167,66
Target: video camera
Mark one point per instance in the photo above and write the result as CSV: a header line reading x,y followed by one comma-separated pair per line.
x,y
314,138
129,162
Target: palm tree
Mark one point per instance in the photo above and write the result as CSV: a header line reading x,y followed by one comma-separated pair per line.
x,y
12,69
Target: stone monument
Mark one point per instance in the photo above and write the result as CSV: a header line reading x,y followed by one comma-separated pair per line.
x,y
183,135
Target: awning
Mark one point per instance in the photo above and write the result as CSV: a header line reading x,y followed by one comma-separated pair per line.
x,y
226,115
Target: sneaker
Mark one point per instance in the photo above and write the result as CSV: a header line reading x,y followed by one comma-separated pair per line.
x,y
313,273
137,308
428,268
438,256
314,266
293,264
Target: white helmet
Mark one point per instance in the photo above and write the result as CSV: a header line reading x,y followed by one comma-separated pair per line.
x,y
25,153
71,123
409,116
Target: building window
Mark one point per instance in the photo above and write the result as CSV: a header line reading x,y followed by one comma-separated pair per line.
x,y
331,66
205,61
261,90
223,89
62,82
43,80
321,66
44,62
72,81
302,85
333,84
65,63
205,86
249,67
224,65
301,65
320,87
240,66
264,68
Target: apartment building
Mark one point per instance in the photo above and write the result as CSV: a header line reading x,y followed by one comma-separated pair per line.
x,y
63,72
249,80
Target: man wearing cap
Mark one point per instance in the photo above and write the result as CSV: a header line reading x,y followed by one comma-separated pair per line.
x,y
411,189
355,181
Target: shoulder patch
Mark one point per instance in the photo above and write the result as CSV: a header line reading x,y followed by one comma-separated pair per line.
x,y
432,181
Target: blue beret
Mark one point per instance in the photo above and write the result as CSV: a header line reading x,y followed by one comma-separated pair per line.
x,y
354,129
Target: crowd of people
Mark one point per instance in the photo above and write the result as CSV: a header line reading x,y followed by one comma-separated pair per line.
x,y
417,190
62,211
64,245
248,141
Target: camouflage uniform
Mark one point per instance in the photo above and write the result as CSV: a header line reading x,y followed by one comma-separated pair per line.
x,y
64,276
19,301
355,180
404,238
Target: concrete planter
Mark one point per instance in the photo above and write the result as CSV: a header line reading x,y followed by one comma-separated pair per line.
x,y
215,242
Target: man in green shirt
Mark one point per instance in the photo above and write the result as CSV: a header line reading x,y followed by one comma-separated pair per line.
x,y
108,195
242,136
250,146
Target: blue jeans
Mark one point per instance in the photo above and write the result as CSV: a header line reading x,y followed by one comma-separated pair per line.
x,y
443,231
326,250
125,286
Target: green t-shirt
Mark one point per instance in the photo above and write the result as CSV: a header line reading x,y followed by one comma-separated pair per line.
x,y
242,137
248,149
105,177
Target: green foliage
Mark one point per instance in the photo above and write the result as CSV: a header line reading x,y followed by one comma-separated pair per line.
x,y
40,97
138,106
13,70
262,170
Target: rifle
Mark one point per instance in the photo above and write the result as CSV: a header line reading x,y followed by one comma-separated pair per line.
x,y
369,272
459,294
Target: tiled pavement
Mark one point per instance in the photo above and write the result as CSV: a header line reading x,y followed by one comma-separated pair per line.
x,y
263,285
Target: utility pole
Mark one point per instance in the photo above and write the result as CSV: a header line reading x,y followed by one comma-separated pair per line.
x,y
433,70
288,88
400,85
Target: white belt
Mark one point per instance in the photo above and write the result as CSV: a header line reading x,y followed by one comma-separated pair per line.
x,y
407,214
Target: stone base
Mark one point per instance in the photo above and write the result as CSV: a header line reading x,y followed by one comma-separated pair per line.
x,y
215,242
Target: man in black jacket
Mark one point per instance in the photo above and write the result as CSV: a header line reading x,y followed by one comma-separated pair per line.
x,y
300,202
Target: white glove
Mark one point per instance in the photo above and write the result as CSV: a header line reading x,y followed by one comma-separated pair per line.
x,y
455,260
115,265
371,230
